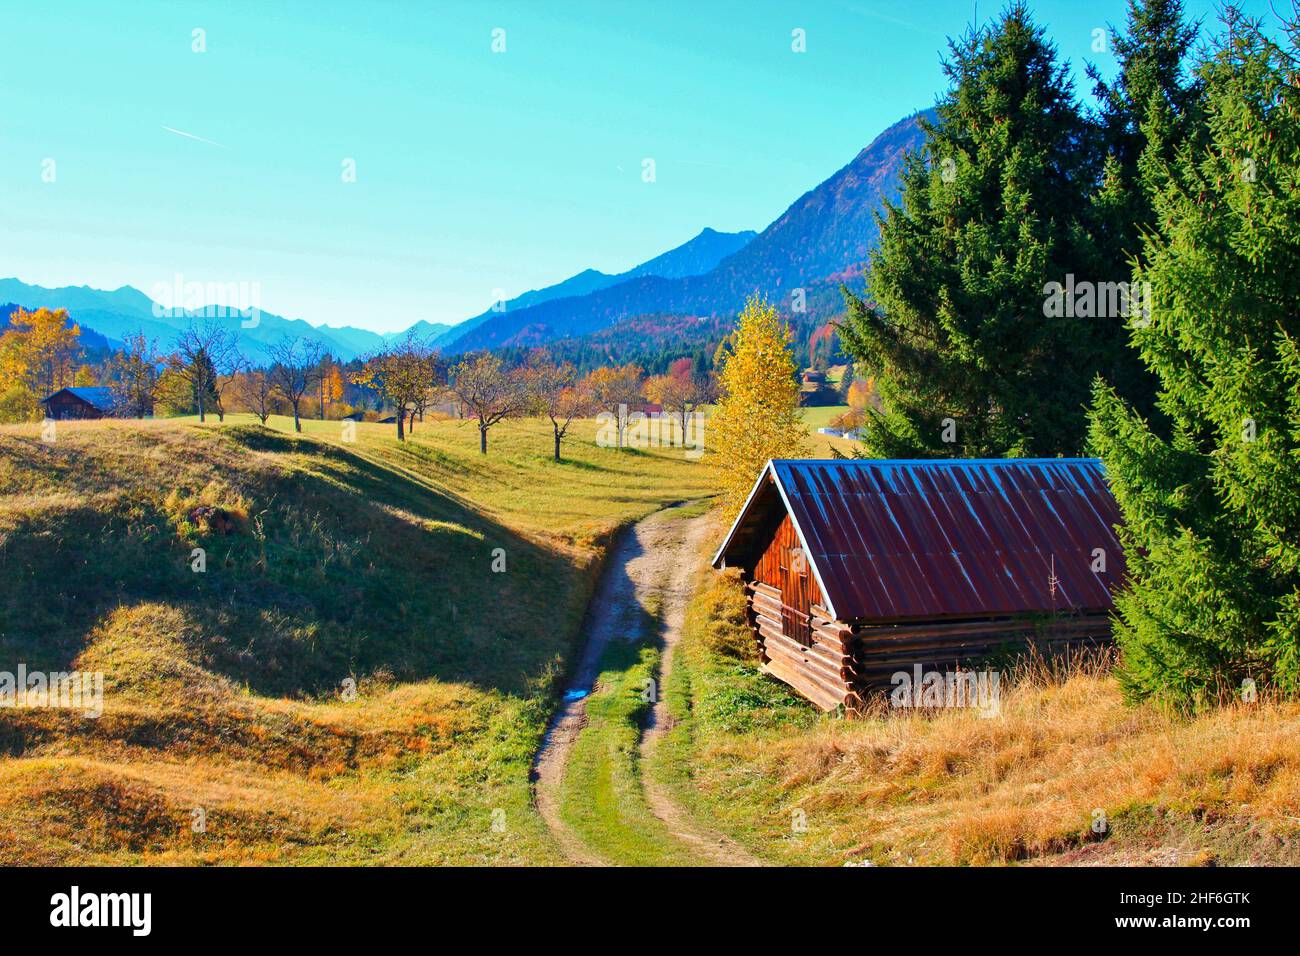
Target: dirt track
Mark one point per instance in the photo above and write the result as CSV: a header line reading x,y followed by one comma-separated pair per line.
x,y
651,566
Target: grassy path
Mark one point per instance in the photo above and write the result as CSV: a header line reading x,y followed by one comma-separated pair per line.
x,y
591,788
709,845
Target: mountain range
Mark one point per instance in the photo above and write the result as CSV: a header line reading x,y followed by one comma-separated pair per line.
x,y
823,238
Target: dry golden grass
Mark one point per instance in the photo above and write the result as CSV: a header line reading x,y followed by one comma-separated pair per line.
x,y
958,787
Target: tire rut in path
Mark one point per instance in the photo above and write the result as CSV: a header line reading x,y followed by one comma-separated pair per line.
x,y
653,562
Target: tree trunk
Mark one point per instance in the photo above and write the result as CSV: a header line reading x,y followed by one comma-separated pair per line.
x,y
297,425
482,439
557,444
401,422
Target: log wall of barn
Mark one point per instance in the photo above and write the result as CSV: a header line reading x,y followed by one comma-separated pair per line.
x,y
882,650
69,407
835,664
815,658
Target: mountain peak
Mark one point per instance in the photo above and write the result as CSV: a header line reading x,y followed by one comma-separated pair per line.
x,y
826,234
695,256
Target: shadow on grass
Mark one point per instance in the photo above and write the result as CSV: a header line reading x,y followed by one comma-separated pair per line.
x,y
348,568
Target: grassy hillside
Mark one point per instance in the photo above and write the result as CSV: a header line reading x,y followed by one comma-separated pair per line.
x,y
958,788
230,730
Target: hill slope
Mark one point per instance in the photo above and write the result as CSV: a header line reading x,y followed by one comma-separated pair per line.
x,y
364,566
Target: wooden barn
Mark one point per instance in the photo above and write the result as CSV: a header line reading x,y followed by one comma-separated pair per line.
x,y
857,569
80,402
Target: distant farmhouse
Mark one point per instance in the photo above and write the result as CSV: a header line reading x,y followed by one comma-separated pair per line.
x,y
858,569
78,402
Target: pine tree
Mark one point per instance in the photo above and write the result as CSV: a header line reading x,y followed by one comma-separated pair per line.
x,y
1212,511
967,361
757,415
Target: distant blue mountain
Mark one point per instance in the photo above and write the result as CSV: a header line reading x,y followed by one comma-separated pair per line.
x,y
825,237
692,257
127,310
429,331
121,312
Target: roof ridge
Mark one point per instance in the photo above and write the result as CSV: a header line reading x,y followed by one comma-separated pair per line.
x,y
931,461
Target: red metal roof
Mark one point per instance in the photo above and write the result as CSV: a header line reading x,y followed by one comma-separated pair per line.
x,y
891,539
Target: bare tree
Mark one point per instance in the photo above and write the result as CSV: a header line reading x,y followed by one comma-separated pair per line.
x,y
228,373
405,374
295,366
257,391
204,354
616,388
679,392
134,373
554,391
489,392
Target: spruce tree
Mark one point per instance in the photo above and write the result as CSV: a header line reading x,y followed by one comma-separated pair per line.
x,y
1212,509
1143,118
992,210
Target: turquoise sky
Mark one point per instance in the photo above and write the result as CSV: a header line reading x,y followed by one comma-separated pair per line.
x,y
475,170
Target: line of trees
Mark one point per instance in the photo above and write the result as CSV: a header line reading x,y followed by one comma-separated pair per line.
x,y
205,372
1121,281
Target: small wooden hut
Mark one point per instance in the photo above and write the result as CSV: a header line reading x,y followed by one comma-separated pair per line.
x,y
858,569
80,402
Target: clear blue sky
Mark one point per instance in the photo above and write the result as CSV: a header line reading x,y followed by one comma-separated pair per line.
x,y
476,170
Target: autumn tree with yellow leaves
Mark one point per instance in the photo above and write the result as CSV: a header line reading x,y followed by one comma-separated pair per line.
x,y
39,354
757,416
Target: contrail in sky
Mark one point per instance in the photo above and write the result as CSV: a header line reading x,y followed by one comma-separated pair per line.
x,y
181,132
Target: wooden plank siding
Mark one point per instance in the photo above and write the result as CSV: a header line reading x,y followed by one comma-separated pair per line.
x,y
784,566
65,406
